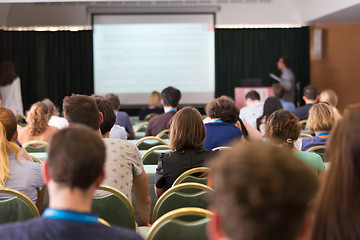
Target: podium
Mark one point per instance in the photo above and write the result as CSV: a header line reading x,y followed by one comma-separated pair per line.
x,y
240,92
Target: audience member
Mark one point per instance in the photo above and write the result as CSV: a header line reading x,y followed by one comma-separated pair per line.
x,y
16,172
322,119
338,205
73,171
123,165
55,120
10,88
170,98
122,118
310,96
222,130
187,134
108,127
283,129
271,105
329,96
37,128
261,192
287,78
279,92
253,108
154,105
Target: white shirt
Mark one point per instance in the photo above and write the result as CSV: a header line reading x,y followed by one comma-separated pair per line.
x,y
58,122
250,113
118,132
11,97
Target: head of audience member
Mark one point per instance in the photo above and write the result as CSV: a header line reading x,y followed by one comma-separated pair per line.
x,y
329,96
154,99
283,128
252,97
51,106
310,94
223,108
187,129
8,134
170,97
108,114
0,100
283,63
75,164
38,118
322,118
278,90
271,104
82,109
7,73
338,204
260,190
114,100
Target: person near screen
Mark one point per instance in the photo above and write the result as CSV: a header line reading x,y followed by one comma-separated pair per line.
x,y
154,106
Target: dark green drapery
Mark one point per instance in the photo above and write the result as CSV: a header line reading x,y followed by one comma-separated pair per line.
x,y
50,64
253,53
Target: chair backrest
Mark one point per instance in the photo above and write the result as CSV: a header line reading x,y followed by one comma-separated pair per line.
x,y
221,148
18,207
305,135
114,207
303,124
179,196
146,143
170,227
149,116
35,146
141,127
320,150
187,176
151,156
164,134
35,159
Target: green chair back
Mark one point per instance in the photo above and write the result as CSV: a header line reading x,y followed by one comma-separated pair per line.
x,y
171,227
149,116
164,134
221,148
188,176
146,143
180,196
151,156
35,159
141,127
115,208
16,208
35,146
303,124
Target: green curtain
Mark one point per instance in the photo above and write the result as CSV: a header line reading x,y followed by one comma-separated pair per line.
x,y
50,64
253,53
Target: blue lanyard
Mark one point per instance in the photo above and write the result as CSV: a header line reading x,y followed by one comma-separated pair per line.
x,y
322,134
171,110
219,120
70,216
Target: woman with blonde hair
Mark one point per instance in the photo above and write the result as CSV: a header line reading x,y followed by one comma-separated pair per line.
x,y
38,128
187,134
322,119
154,105
16,172
329,96
337,214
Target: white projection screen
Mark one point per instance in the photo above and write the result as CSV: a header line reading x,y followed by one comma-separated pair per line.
x,y
135,54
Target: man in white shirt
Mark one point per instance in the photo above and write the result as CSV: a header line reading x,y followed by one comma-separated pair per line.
x,y
253,108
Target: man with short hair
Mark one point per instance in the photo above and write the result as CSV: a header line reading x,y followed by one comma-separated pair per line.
x,y
279,92
253,109
310,96
73,171
287,78
125,170
170,98
261,191
122,118
54,120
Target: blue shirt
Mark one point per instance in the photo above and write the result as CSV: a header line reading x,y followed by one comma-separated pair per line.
x,y
123,120
308,143
220,134
288,105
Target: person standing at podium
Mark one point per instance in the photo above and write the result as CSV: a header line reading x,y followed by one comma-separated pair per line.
x,y
287,79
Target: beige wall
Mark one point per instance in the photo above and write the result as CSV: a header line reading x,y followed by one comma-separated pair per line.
x,y
339,68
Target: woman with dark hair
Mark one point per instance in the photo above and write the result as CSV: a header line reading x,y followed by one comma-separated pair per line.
x,y
283,129
221,131
37,128
271,104
10,88
337,215
187,134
